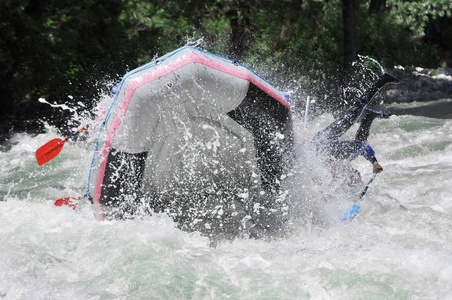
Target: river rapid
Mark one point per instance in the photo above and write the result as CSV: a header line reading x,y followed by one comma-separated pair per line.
x,y
399,246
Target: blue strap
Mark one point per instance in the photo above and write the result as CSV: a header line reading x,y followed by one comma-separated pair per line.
x,y
365,150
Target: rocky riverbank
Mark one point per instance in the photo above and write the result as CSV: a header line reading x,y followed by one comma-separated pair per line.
x,y
418,84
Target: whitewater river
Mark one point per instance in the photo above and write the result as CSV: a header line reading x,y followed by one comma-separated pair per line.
x,y
398,247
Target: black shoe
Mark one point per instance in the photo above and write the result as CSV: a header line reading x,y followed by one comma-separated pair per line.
x,y
387,78
383,113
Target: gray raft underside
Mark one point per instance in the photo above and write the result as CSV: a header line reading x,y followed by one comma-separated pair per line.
x,y
210,170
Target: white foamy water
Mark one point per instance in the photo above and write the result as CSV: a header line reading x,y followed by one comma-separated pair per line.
x,y
386,252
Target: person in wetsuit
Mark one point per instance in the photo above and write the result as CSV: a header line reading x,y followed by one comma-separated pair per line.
x,y
327,140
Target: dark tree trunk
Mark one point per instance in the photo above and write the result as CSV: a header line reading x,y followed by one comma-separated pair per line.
x,y
240,35
376,5
349,32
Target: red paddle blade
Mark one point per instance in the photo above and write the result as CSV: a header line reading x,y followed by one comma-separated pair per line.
x,y
69,201
49,151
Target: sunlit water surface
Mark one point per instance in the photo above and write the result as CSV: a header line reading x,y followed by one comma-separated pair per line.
x,y
398,247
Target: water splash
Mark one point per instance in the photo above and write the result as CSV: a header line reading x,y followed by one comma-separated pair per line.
x,y
385,252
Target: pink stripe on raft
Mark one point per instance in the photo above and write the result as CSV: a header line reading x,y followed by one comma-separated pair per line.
x,y
156,75
243,75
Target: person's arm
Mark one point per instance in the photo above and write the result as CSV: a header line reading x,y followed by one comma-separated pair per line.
x,y
369,154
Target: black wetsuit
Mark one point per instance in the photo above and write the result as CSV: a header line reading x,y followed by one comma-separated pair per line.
x,y
327,140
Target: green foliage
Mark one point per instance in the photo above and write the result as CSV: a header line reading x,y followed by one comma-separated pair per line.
x,y
415,15
57,49
397,35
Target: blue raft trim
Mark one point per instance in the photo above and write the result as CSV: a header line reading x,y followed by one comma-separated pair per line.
x,y
145,67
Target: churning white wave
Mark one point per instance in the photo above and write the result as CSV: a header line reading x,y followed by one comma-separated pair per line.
x,y
398,247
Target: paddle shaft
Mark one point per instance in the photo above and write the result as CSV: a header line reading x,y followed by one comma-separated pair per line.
x,y
355,209
367,186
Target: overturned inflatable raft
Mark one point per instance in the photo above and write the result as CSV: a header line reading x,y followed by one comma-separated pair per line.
x,y
196,136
